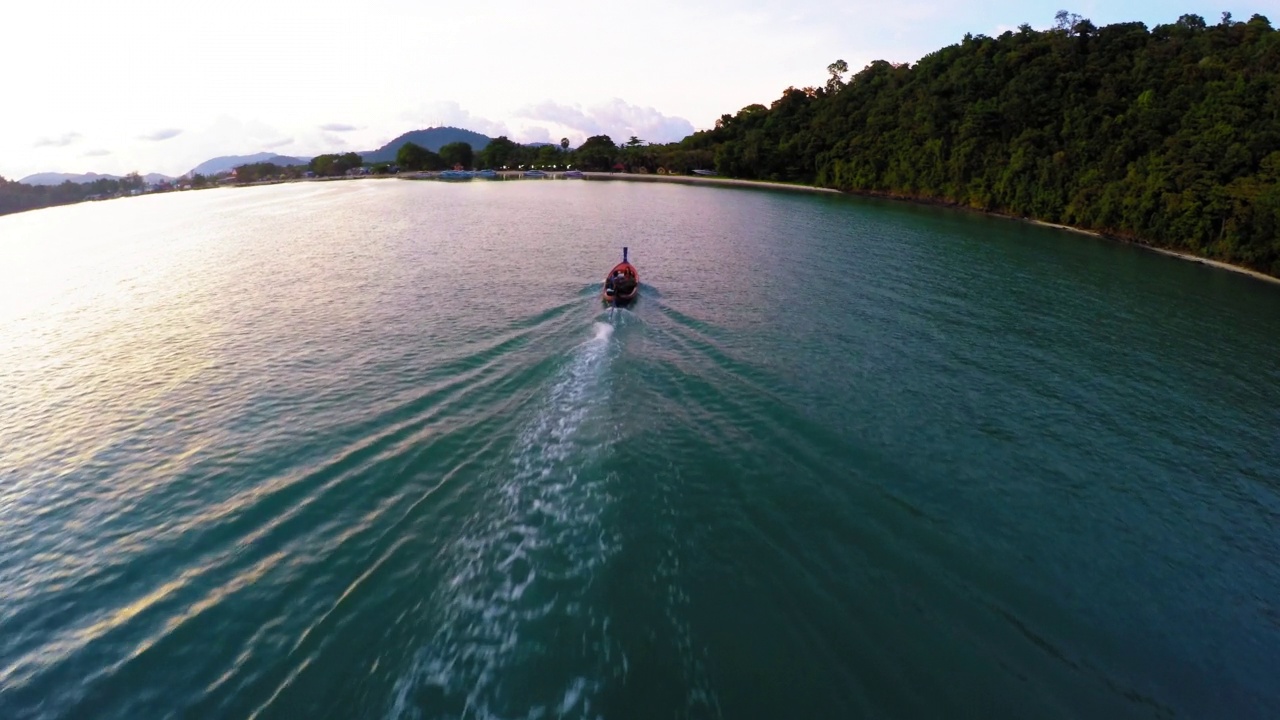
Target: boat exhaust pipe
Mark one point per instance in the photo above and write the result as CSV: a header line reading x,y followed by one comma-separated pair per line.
x,y
624,254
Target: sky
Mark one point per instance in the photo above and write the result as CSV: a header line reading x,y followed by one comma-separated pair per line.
x,y
149,86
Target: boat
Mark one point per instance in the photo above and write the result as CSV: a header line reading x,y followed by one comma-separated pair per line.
x,y
487,174
534,174
622,284
573,174
455,175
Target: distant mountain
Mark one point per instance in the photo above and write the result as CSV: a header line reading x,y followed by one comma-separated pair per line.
x,y
52,178
432,139
229,162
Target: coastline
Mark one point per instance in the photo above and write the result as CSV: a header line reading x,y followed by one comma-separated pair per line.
x,y
729,182
792,187
1257,275
712,181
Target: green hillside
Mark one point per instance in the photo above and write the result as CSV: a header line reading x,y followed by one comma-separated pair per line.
x,y
1168,136
432,139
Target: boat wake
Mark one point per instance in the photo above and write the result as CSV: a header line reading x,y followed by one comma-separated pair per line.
x,y
518,632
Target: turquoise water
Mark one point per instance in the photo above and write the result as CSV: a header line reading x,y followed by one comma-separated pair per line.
x,y
375,450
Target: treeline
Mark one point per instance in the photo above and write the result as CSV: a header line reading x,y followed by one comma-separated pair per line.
x,y
257,172
597,153
1168,136
16,196
501,152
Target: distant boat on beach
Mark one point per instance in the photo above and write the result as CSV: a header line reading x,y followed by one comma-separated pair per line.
x,y
534,174
573,174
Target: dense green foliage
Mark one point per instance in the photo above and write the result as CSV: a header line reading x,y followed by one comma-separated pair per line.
x,y
433,139
412,156
267,171
334,164
16,197
1168,136
501,152
457,154
597,153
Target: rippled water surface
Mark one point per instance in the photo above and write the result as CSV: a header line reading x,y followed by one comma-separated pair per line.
x,y
375,450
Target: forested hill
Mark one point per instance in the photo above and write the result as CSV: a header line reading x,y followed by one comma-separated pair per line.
x,y
1169,135
432,139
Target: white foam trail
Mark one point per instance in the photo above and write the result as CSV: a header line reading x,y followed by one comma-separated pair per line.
x,y
604,331
522,570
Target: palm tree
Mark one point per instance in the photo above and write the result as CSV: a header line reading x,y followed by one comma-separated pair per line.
x,y
632,151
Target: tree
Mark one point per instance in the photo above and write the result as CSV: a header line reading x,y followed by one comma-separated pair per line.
x,y
548,155
501,152
597,153
837,70
334,164
1064,21
412,156
457,153
348,161
1192,21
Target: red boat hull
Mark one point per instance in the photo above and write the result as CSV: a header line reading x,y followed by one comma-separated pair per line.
x,y
632,287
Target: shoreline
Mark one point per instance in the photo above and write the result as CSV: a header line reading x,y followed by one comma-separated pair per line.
x,y
712,181
765,185
1239,269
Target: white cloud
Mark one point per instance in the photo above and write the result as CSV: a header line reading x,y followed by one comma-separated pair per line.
x,y
61,141
334,142
616,118
158,135
448,113
533,134
97,153
338,127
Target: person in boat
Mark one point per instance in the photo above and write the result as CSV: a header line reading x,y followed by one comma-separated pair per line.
x,y
622,283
